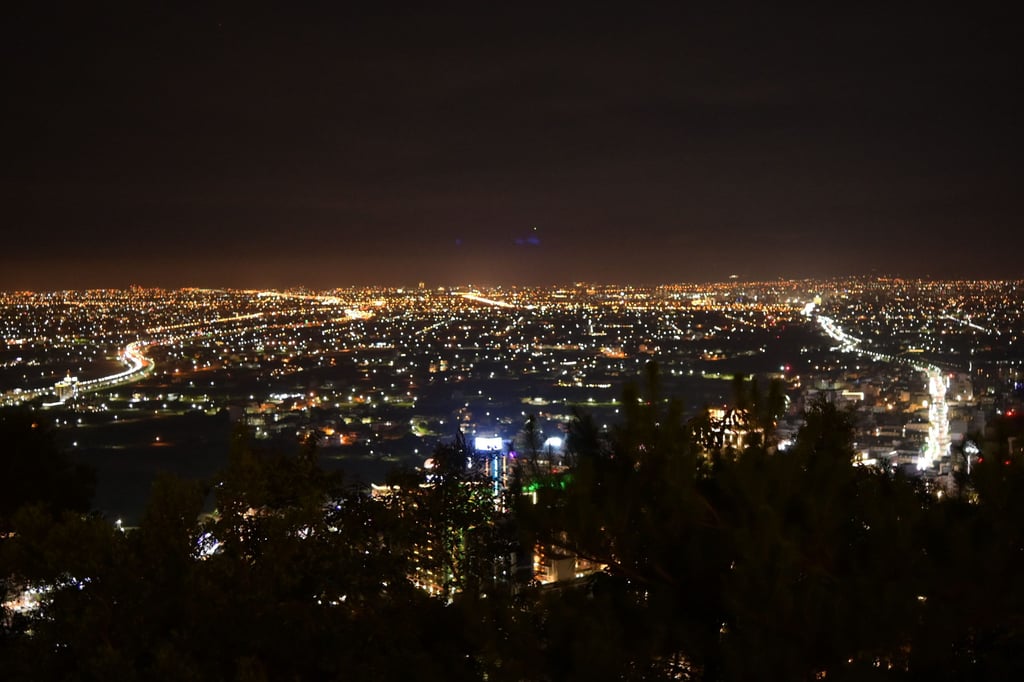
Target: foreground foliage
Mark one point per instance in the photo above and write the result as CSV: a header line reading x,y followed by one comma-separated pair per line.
x,y
741,565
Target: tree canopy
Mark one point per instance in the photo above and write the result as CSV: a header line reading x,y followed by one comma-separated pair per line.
x,y
715,564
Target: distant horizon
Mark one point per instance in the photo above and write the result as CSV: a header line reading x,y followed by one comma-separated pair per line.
x,y
485,266
434,286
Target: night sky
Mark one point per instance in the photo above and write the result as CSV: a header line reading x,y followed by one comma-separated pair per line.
x,y
506,143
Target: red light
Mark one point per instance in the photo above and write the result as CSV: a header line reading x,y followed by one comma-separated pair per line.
x,y
980,460
1006,463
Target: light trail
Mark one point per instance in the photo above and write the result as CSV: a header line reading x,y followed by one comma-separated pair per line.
x,y
967,323
216,320
470,296
325,299
938,442
140,366
428,328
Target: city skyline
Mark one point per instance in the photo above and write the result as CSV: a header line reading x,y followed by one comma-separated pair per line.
x,y
196,460
255,149
386,374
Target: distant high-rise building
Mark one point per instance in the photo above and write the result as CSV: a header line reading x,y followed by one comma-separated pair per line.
x,y
66,388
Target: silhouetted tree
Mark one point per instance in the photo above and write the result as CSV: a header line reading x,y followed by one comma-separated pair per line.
x,y
306,584
786,565
34,470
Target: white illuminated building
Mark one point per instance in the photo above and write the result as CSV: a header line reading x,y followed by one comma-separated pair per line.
x,y
938,442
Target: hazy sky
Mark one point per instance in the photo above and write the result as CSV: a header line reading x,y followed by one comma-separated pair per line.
x,y
506,143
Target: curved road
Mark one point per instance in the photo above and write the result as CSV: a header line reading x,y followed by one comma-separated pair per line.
x,y
937,445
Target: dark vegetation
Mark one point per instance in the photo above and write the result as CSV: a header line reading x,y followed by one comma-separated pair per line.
x,y
721,565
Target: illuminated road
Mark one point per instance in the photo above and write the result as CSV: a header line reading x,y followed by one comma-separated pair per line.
x,y
470,296
133,356
967,323
139,366
191,325
937,445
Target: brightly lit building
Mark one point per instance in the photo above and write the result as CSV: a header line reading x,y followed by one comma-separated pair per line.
x,y
492,456
937,445
66,388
